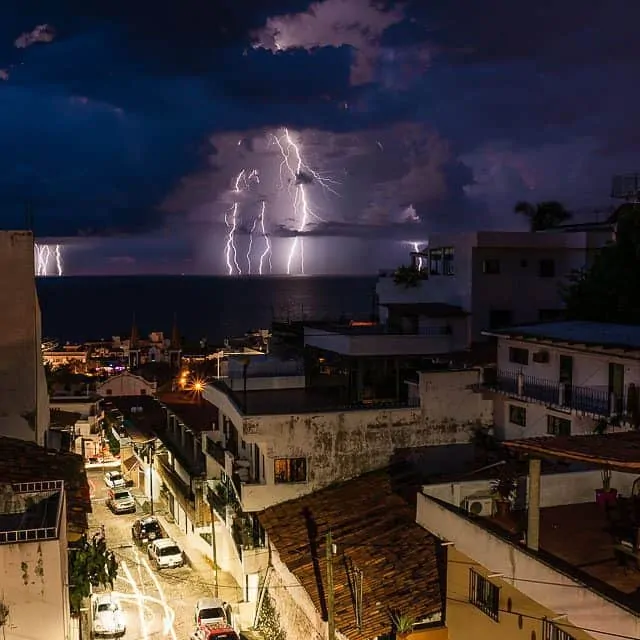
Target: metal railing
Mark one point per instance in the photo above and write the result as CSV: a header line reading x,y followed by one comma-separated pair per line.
x,y
596,400
28,535
38,487
216,451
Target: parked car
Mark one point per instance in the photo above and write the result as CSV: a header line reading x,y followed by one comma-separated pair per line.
x,y
107,617
114,479
146,530
214,632
165,554
121,501
211,611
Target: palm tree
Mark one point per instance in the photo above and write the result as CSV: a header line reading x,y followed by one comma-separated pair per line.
x,y
544,215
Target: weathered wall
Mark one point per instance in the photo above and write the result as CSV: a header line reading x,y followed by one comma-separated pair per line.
x,y
126,384
298,615
32,586
23,387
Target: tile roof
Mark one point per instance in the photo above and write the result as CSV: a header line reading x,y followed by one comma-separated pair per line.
x,y
22,461
375,531
61,418
615,450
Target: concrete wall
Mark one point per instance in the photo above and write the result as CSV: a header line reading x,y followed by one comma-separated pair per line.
x,y
271,382
33,585
126,384
343,444
298,616
535,579
23,386
520,616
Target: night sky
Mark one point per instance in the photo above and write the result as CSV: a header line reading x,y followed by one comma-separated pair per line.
x,y
125,123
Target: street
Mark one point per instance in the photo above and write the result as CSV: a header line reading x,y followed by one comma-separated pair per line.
x,y
157,604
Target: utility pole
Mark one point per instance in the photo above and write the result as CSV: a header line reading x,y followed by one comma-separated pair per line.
x,y
330,589
150,452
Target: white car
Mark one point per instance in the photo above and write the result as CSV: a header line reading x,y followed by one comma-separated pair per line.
x,y
211,611
114,480
121,501
165,554
107,617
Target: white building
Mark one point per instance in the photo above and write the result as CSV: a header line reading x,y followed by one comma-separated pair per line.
x,y
560,564
33,561
501,278
126,384
279,442
565,378
24,407
88,407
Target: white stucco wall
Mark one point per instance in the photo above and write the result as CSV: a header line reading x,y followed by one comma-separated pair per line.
x,y
33,585
23,386
126,384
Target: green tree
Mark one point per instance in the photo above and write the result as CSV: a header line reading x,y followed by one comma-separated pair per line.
x,y
544,215
91,564
607,290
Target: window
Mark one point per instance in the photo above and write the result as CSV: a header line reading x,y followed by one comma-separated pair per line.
x,y
435,262
551,631
143,392
517,415
291,470
558,426
500,318
547,269
519,356
484,594
491,266
447,261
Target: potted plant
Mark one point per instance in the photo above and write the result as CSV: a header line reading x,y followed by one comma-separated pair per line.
x,y
606,495
504,489
402,624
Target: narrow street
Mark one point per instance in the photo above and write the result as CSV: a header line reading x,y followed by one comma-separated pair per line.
x,y
157,604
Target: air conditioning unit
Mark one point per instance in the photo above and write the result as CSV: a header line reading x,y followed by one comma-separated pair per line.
x,y
541,356
481,505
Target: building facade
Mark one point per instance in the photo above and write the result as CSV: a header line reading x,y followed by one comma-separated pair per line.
x,y
565,378
126,384
24,405
485,273
34,593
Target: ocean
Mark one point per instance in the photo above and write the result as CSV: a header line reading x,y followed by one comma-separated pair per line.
x,y
78,309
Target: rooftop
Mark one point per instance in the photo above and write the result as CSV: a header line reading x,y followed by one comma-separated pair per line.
x,y
23,462
30,511
619,451
372,536
298,400
62,419
142,425
197,414
599,334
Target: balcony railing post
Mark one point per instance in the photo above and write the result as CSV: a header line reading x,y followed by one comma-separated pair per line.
x,y
520,383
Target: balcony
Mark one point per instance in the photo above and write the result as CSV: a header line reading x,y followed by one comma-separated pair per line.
x,y
597,401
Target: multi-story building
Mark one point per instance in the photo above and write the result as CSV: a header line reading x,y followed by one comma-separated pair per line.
x,y
74,356
34,591
87,407
24,404
564,378
279,439
558,565
500,278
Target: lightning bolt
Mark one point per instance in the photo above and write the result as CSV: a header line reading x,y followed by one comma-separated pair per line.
x,y
253,228
416,248
58,256
267,247
242,183
300,176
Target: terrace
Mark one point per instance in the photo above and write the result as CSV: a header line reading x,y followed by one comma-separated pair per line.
x,y
570,542
596,400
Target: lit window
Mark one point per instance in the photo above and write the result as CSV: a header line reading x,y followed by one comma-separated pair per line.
x,y
447,261
435,262
290,470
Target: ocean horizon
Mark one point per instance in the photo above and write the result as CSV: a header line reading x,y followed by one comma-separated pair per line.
x,y
83,308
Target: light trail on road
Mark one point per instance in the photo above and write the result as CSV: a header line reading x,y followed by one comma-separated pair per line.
x,y
138,596
169,613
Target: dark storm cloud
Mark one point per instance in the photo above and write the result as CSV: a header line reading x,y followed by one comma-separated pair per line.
x,y
121,124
